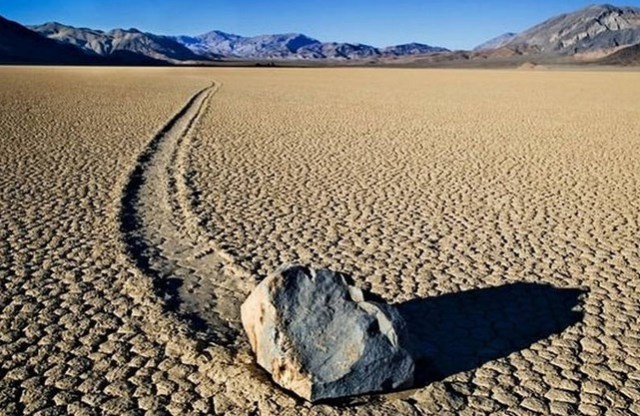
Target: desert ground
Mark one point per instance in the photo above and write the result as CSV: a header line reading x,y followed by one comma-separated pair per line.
x,y
499,209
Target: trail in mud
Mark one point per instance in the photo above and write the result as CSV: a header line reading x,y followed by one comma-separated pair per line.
x,y
163,237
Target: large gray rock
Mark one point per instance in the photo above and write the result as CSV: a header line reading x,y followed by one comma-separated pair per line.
x,y
320,338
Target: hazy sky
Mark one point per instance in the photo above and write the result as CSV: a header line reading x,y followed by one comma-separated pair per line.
x,y
457,24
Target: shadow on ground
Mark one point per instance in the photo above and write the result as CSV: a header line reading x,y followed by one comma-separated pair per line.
x,y
461,331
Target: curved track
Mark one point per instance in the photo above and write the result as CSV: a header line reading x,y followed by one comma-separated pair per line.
x,y
164,238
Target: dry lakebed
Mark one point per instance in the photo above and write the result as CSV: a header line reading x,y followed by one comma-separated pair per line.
x,y
497,210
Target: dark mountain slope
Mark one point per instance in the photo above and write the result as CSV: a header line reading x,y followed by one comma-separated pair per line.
x,y
19,45
119,43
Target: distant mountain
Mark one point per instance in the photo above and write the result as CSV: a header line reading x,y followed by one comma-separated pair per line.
x,y
131,46
412,49
339,51
496,42
273,46
289,46
215,43
119,43
588,30
21,45
292,46
235,46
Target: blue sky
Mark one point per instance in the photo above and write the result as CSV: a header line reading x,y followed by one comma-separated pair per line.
x,y
453,24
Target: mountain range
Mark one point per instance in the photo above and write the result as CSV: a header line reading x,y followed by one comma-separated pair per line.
x,y
595,32
292,46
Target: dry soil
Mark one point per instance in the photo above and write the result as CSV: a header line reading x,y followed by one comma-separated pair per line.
x,y
498,209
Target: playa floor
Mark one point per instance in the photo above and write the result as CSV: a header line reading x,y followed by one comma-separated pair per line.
x,y
500,211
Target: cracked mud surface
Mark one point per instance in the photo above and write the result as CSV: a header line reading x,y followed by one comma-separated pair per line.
x,y
498,209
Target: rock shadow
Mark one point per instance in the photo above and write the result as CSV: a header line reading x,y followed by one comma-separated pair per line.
x,y
462,331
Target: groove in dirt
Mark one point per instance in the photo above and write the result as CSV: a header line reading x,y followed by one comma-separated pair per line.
x,y
150,206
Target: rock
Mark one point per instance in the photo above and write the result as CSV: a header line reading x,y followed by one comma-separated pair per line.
x,y
318,336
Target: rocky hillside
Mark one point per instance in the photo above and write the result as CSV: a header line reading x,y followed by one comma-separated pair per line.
x,y
589,30
626,56
118,42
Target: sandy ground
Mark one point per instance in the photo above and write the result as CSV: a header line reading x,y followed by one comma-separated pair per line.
x,y
498,209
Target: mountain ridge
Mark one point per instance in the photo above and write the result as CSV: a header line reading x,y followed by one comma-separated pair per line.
x,y
585,35
497,42
19,45
118,41
292,46
594,28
